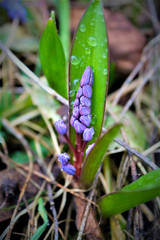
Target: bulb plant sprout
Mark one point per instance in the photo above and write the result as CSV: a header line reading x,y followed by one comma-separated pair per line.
x,y
87,89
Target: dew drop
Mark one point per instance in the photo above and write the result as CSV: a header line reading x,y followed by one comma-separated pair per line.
x,y
71,105
75,82
82,28
81,64
87,50
105,71
72,93
104,55
92,41
91,23
75,60
94,119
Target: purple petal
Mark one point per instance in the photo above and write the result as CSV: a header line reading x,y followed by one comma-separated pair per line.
x,y
86,76
89,148
86,120
87,91
72,121
61,127
85,101
69,169
88,134
76,103
79,93
76,112
79,127
84,110
63,158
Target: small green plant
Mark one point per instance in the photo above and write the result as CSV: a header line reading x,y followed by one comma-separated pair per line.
x,y
88,81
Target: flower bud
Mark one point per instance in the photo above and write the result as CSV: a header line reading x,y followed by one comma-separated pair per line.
x,y
85,101
76,103
86,76
63,158
79,127
72,121
69,169
88,134
61,127
86,120
89,148
76,112
84,110
87,91
79,93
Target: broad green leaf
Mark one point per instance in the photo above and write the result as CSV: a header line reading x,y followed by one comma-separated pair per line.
x,y
53,59
96,155
133,128
144,189
90,48
43,213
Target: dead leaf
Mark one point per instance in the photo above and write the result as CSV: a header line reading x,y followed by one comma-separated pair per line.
x,y
92,230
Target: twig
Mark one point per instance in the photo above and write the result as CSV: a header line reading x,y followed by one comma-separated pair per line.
x,y
136,92
31,75
154,16
86,213
130,78
137,154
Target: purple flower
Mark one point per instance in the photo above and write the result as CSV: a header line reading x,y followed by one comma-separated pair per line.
x,y
69,169
88,134
86,120
61,127
15,9
63,158
85,101
76,103
84,110
89,148
76,112
79,93
87,91
86,76
72,121
79,127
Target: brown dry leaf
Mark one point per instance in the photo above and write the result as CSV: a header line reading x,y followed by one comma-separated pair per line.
x,y
125,41
92,230
11,182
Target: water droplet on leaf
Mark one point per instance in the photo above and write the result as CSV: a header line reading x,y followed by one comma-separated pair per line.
x,y
104,55
82,28
105,71
92,41
87,50
75,60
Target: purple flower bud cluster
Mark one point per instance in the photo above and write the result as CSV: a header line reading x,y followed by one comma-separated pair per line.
x,y
81,117
65,165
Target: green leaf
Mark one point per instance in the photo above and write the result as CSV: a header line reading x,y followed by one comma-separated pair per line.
x,y
144,189
53,59
96,155
90,48
43,213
